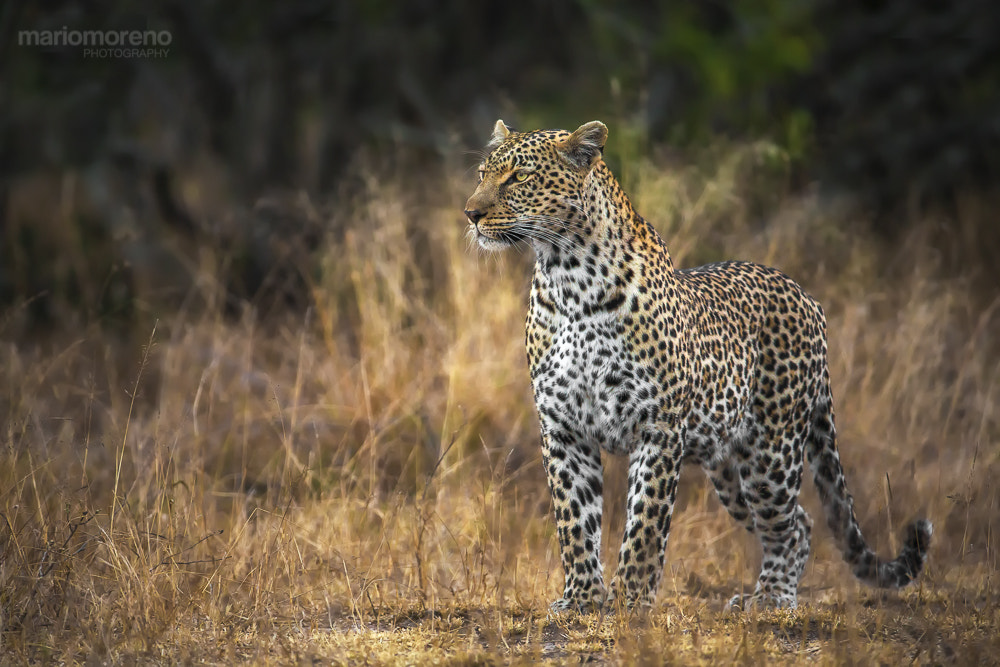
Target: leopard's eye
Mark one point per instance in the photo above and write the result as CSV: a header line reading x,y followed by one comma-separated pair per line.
x,y
482,173
521,175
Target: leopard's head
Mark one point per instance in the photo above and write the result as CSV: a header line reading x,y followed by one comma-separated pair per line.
x,y
530,185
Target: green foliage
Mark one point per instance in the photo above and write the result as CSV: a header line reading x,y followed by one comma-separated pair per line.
x,y
703,66
735,68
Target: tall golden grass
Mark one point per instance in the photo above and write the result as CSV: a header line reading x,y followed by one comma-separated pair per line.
x,y
361,482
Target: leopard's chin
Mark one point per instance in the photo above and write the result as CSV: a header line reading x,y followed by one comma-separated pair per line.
x,y
489,243
495,241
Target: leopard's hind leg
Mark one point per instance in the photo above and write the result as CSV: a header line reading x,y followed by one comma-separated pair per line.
x,y
771,477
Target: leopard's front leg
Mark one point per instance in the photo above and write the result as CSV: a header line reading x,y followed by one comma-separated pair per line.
x,y
654,467
576,483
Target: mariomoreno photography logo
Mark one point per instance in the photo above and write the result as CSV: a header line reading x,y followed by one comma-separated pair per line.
x,y
102,43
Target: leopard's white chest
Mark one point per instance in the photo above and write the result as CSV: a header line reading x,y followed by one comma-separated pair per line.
x,y
589,385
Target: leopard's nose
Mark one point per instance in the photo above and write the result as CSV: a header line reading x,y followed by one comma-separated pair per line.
x,y
474,215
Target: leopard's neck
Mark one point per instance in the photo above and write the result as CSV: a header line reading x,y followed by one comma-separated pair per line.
x,y
604,251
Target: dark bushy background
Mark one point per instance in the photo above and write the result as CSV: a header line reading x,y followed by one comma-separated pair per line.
x,y
894,103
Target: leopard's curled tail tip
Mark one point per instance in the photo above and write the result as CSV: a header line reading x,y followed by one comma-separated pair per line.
x,y
915,548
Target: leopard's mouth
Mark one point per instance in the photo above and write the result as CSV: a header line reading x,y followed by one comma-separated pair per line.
x,y
494,239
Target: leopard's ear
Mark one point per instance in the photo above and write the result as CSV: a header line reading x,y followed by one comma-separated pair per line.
x,y
583,148
500,132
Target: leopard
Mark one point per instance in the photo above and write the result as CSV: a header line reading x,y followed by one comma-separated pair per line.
x,y
723,365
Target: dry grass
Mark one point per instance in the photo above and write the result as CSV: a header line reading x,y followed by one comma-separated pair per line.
x,y
362,484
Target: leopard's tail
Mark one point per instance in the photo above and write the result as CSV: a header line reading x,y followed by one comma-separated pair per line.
x,y
821,451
